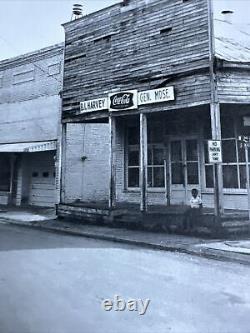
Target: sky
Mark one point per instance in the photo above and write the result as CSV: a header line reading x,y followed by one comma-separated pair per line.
x,y
28,25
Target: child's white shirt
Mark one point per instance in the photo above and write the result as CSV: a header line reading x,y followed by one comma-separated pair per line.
x,y
195,202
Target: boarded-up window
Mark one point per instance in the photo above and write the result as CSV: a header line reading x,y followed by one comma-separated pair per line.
x,y
54,69
23,77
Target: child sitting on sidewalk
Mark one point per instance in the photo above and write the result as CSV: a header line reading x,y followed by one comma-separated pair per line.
x,y
193,213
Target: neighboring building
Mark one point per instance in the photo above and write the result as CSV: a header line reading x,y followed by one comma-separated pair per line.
x,y
30,116
190,85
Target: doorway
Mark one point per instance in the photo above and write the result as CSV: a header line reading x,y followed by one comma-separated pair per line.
x,y
184,168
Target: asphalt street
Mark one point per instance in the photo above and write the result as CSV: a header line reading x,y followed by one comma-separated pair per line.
x,y
54,283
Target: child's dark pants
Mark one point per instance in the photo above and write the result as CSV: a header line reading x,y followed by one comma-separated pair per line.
x,y
191,218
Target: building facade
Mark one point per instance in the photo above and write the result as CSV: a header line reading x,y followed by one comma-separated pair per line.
x,y
30,111
156,82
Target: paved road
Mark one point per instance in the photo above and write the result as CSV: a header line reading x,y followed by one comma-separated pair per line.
x,y
51,283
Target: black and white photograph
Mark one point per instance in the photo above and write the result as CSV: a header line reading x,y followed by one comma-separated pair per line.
x,y
124,166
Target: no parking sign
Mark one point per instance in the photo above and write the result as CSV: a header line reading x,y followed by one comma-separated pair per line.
x,y
214,151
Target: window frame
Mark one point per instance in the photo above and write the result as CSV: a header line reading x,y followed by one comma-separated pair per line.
x,y
237,163
136,147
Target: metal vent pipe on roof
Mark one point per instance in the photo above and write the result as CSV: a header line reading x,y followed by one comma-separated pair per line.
x,y
228,15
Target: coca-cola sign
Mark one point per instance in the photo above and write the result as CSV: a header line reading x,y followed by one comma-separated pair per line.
x,y
123,100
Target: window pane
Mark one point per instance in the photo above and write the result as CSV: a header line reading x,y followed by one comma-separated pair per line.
x,y
229,151
243,177
133,177
150,156
158,177
230,177
177,173
4,173
206,152
209,176
241,152
192,153
133,135
192,173
133,158
176,151
150,177
158,154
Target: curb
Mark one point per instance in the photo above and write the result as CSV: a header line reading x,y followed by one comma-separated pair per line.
x,y
207,253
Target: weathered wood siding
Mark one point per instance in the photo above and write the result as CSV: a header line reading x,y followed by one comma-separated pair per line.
x,y
234,85
138,46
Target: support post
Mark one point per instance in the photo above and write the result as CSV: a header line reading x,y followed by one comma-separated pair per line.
x,y
247,178
62,161
215,114
218,175
112,180
167,183
143,161
12,162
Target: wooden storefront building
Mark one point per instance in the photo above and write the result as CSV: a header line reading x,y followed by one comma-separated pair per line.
x,y
154,82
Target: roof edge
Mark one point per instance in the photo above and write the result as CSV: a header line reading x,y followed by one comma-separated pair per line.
x,y
92,13
33,54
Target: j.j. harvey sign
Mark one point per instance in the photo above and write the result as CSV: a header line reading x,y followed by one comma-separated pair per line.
x,y
127,100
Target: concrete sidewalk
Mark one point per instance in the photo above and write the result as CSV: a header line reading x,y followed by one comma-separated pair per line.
x,y
27,214
226,250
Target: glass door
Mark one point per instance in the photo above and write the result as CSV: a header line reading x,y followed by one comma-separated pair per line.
x,y
176,158
192,162
184,168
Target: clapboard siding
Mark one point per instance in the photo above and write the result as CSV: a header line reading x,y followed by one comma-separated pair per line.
x,y
234,86
124,47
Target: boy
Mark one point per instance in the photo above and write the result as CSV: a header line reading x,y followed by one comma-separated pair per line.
x,y
192,214
195,201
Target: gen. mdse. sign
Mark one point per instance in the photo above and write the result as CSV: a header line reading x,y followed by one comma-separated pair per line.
x,y
156,95
214,151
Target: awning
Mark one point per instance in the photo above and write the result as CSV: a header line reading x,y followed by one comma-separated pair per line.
x,y
27,147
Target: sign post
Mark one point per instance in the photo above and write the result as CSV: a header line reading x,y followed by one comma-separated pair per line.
x,y
245,140
215,157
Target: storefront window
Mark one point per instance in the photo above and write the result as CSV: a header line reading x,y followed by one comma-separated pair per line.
x,y
155,157
155,165
133,165
209,176
4,172
229,151
230,176
233,157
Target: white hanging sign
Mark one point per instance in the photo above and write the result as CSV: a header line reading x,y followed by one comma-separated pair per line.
x,y
165,94
214,151
94,105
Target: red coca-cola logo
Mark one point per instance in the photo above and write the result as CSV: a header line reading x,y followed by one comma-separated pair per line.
x,y
122,101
